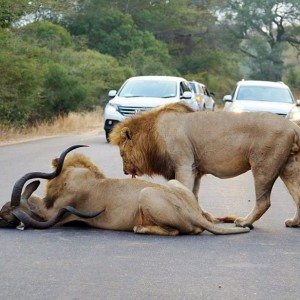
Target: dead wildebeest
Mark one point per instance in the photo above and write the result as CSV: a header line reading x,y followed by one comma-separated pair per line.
x,y
26,208
77,190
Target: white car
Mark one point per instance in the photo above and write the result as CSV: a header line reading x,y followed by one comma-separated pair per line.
x,y
203,97
142,93
254,95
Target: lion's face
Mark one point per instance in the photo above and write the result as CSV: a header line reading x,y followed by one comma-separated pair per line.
x,y
129,154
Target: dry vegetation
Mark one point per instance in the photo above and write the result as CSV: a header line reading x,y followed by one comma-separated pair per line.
x,y
73,123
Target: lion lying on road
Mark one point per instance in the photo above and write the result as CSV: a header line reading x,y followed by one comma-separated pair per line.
x,y
186,146
77,185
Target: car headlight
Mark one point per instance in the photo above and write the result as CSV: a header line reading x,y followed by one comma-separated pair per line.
x,y
115,106
295,115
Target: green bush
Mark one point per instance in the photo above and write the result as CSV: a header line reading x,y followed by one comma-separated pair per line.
x,y
97,72
292,78
62,92
19,85
46,34
145,64
38,83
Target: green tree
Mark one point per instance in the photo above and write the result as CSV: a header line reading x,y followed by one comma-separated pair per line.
x,y
263,28
20,77
38,83
145,64
292,77
11,11
97,72
110,31
46,34
62,93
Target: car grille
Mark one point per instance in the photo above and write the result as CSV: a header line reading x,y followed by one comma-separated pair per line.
x,y
128,111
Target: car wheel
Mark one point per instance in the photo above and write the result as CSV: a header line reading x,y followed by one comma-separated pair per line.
x,y
107,136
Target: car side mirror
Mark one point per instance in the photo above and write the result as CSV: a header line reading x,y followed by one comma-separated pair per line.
x,y
112,93
186,95
227,98
298,102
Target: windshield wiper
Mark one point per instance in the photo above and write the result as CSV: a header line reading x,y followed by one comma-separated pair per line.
x,y
171,96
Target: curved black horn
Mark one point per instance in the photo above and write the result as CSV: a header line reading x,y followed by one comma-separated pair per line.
x,y
30,222
29,189
5,224
17,189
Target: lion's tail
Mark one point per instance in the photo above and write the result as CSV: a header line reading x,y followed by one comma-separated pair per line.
x,y
202,222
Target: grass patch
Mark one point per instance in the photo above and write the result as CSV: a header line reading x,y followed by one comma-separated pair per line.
x,y
73,123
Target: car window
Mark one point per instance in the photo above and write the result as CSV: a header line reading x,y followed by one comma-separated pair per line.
x,y
263,93
193,87
149,88
206,91
184,87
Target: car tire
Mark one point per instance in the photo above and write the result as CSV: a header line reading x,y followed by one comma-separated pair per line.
x,y
107,136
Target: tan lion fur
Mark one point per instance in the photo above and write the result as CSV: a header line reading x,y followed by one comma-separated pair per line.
x,y
149,148
128,204
186,146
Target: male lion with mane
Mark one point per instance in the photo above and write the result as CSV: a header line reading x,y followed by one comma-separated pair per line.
x,y
79,188
179,144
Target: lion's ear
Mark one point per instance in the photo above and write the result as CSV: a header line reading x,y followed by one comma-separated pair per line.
x,y
125,133
54,162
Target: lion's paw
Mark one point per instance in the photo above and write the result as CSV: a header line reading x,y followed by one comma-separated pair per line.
x,y
240,222
292,223
139,229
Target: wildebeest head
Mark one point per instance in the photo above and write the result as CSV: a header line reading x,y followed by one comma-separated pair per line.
x,y
7,217
12,212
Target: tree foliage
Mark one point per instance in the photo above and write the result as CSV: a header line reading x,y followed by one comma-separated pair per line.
x,y
111,31
39,82
263,28
11,11
46,34
62,92
58,56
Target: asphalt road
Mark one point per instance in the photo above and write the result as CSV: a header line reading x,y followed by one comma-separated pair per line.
x,y
84,263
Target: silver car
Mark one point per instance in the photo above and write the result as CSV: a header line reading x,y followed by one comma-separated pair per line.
x,y
254,95
203,97
142,93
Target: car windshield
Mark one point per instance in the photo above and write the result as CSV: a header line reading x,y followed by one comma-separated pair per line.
x,y
149,88
264,93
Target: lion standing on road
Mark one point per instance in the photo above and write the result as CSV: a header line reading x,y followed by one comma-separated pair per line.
x,y
185,146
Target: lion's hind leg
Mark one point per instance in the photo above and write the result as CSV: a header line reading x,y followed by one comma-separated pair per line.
x,y
161,212
208,216
291,178
266,163
154,229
